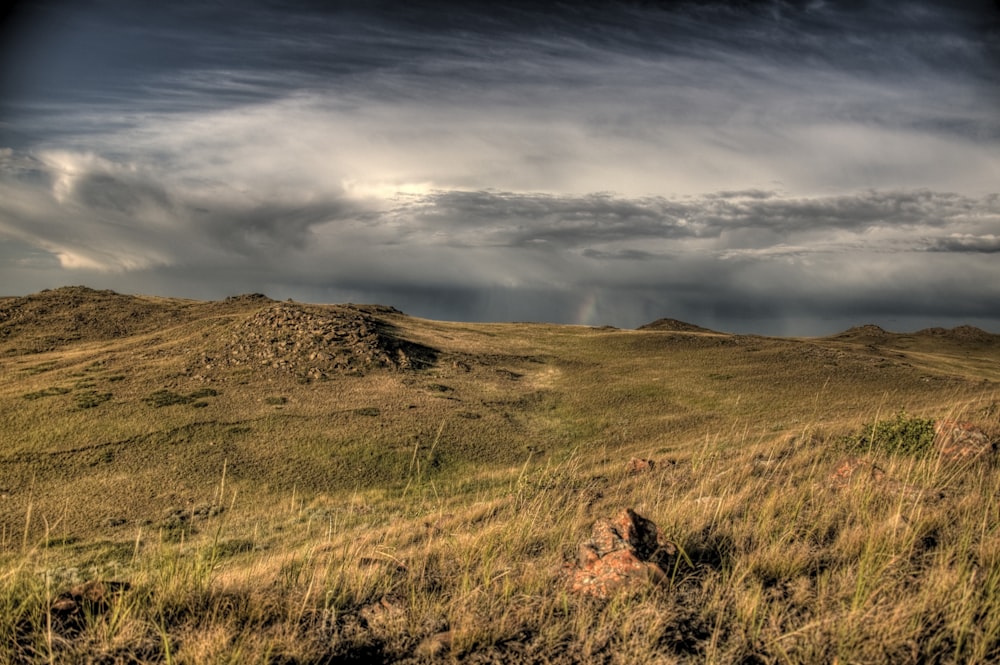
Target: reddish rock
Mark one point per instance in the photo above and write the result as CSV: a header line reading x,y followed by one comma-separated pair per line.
x,y
962,442
625,552
88,599
854,469
436,645
638,465
385,616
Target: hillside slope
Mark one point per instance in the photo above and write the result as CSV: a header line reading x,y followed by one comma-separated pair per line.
x,y
425,460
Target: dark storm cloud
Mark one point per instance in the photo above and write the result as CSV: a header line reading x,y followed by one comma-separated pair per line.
x,y
966,243
623,254
779,163
106,216
518,220
115,54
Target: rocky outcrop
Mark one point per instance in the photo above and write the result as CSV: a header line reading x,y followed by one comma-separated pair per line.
x,y
627,552
962,442
316,342
70,608
967,334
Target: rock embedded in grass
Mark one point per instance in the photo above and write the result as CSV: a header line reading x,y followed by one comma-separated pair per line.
x,y
962,442
623,553
637,465
70,608
857,471
854,469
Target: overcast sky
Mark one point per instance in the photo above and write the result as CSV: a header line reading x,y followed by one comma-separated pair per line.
x,y
773,167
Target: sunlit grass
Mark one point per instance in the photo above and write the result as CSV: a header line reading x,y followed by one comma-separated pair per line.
x,y
428,515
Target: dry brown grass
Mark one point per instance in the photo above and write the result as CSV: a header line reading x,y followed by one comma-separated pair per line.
x,y
425,515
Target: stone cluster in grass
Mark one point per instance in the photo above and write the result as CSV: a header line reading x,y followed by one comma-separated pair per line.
x,y
314,342
962,442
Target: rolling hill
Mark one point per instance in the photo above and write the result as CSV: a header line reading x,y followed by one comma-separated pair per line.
x,y
355,483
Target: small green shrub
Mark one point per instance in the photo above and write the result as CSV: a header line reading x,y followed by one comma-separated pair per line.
x,y
276,400
902,435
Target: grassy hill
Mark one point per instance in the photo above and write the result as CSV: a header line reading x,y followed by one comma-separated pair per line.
x,y
283,482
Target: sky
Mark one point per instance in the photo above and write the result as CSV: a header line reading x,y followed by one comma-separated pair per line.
x,y
776,167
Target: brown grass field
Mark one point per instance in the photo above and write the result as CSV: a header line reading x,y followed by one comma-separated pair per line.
x,y
251,481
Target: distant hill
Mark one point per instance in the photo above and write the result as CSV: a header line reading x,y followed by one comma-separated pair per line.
x,y
873,334
673,325
867,333
961,334
310,340
54,317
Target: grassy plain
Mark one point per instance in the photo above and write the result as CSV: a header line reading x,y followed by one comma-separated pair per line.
x,y
423,512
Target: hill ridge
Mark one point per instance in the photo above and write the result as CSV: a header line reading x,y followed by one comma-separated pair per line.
x,y
674,325
870,332
74,313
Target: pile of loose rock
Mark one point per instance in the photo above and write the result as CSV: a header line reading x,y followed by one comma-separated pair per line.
x,y
316,342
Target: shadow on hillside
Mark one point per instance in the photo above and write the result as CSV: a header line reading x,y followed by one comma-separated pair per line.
x,y
410,354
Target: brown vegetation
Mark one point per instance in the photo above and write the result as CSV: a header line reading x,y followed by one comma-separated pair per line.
x,y
158,507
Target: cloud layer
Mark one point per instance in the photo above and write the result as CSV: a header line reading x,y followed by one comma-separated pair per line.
x,y
774,166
